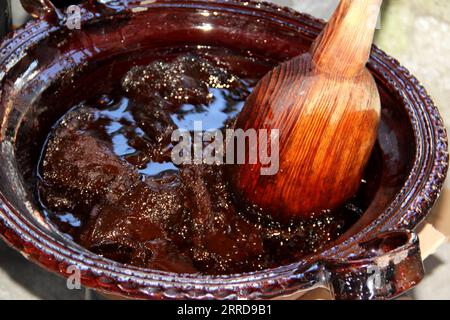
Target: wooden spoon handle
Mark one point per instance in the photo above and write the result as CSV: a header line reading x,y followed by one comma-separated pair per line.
x,y
345,44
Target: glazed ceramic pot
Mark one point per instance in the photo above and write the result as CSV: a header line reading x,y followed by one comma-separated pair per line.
x,y
47,63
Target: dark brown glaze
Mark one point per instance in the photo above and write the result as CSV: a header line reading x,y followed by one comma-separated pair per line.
x,y
43,9
389,265
42,64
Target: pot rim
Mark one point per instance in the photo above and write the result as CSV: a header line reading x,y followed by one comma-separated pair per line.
x,y
409,208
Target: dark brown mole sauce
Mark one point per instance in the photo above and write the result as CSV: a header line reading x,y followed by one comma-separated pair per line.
x,y
106,178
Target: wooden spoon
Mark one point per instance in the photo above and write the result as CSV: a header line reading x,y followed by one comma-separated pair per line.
x,y
326,106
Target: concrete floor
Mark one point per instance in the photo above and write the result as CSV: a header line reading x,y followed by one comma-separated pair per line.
x,y
415,32
20,279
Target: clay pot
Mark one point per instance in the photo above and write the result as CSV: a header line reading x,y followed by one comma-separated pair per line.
x,y
45,65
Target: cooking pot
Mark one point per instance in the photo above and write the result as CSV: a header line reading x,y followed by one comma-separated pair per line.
x,y
50,62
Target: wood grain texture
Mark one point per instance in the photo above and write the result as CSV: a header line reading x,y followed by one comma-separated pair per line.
x,y
327,107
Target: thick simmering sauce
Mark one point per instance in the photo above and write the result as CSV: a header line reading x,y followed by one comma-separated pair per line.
x,y
107,180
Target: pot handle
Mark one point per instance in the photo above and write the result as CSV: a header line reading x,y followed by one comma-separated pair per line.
x,y
43,9
389,265
46,10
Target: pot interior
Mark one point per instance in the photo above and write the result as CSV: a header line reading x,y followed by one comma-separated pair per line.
x,y
68,67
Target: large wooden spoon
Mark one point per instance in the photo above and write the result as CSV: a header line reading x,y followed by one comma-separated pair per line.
x,y
326,106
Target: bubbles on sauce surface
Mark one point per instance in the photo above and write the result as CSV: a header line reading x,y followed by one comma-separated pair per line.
x,y
107,179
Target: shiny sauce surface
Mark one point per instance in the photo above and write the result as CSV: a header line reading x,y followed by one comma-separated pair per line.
x,y
106,178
